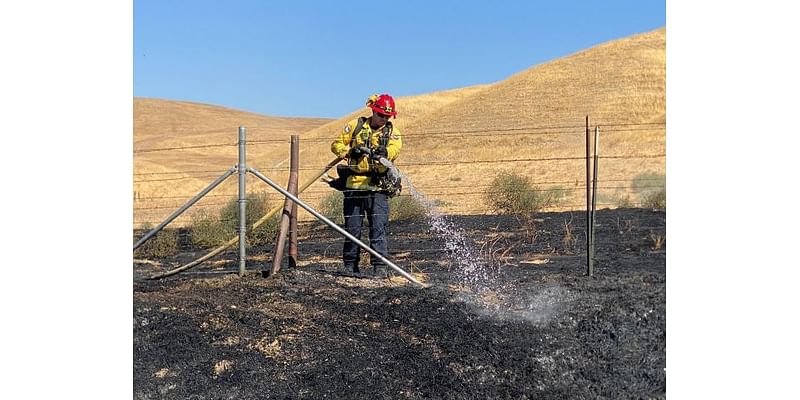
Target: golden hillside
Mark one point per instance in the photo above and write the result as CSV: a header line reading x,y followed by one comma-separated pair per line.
x,y
203,141
201,144
453,149
454,141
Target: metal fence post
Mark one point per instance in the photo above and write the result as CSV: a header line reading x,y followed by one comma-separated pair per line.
x,y
594,199
588,199
242,201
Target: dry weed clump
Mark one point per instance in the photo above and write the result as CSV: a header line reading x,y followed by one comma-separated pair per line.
x,y
569,240
655,199
514,194
209,229
496,249
330,207
163,244
656,240
405,208
401,207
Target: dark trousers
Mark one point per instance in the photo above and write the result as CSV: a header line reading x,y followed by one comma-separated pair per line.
x,y
375,206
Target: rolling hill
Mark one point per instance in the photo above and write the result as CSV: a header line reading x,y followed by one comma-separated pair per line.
x,y
455,141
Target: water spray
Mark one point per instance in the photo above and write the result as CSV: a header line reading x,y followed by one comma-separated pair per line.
x,y
483,288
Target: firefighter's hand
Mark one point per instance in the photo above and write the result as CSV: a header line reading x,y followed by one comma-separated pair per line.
x,y
357,152
379,152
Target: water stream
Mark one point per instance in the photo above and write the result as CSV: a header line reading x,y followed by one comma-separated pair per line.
x,y
484,287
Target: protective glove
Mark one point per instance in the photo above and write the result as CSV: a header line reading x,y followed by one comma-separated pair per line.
x,y
379,152
357,152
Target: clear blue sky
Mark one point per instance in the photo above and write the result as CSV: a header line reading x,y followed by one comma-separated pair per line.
x,y
323,58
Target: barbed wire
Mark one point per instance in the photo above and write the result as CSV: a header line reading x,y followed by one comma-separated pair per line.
x,y
176,172
425,187
430,190
511,238
437,163
606,128
578,226
421,195
468,211
313,225
451,134
172,207
181,178
204,146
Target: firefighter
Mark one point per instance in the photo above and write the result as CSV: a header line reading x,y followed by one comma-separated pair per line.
x,y
362,142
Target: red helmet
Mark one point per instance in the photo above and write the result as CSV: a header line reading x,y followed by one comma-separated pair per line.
x,y
383,104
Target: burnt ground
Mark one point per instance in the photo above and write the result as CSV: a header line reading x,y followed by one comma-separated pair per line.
x,y
530,325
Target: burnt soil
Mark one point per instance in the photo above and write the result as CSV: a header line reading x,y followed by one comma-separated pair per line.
x,y
530,325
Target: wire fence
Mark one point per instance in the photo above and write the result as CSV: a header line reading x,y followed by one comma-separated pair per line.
x,y
169,176
576,130
430,190
464,197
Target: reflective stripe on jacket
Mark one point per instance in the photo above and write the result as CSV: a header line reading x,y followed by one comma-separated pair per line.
x,y
363,165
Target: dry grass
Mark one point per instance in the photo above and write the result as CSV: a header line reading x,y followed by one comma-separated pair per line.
x,y
569,240
161,124
619,82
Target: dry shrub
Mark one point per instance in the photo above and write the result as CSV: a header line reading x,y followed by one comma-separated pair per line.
x,y
331,207
656,240
514,194
623,201
568,241
405,208
209,230
400,208
163,244
655,199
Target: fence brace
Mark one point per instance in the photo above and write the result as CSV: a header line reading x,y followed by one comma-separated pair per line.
x,y
242,169
256,224
185,207
334,226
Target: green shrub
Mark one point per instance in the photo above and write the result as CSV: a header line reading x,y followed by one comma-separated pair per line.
x,y
266,232
211,231
400,208
405,208
331,207
207,230
625,201
514,194
655,199
163,244
257,206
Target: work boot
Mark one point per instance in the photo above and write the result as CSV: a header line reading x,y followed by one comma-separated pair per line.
x,y
352,270
380,272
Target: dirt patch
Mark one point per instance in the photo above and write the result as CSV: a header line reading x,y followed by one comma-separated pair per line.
x,y
536,328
